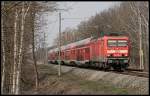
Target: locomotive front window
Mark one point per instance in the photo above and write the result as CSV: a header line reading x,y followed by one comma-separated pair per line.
x,y
122,43
112,42
117,43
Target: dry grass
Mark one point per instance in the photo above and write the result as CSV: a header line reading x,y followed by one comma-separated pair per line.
x,y
68,83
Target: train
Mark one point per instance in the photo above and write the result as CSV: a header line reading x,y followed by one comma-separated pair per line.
x,y
107,52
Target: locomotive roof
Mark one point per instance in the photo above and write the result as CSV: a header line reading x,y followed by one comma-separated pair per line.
x,y
116,37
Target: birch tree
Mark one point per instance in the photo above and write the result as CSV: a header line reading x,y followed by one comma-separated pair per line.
x,y
3,54
34,55
15,51
24,13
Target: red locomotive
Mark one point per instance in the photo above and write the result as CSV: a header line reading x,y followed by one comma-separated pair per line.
x,y
104,52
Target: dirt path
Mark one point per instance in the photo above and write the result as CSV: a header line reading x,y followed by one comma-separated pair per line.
x,y
69,83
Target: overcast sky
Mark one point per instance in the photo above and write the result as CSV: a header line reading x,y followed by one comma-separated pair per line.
x,y
80,10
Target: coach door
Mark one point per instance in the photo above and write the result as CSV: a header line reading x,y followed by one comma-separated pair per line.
x,y
87,53
72,54
93,51
80,54
67,55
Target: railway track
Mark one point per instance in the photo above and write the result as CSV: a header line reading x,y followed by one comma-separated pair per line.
x,y
136,73
132,72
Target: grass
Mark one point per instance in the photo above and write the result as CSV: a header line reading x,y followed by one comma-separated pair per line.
x,y
73,81
95,87
101,86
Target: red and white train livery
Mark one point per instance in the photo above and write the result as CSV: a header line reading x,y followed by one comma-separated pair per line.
x,y
105,52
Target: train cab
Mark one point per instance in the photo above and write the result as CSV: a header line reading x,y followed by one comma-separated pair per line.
x,y
117,51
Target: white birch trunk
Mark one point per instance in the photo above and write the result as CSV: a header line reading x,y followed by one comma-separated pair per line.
x,y
20,53
140,37
15,52
18,74
3,51
35,63
146,24
34,57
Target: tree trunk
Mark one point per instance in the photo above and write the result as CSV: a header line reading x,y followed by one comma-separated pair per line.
x,y
140,42
15,53
20,54
18,74
34,59
3,56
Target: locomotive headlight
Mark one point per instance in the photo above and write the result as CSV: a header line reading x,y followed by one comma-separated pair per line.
x,y
109,61
108,55
110,51
126,55
125,61
123,51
